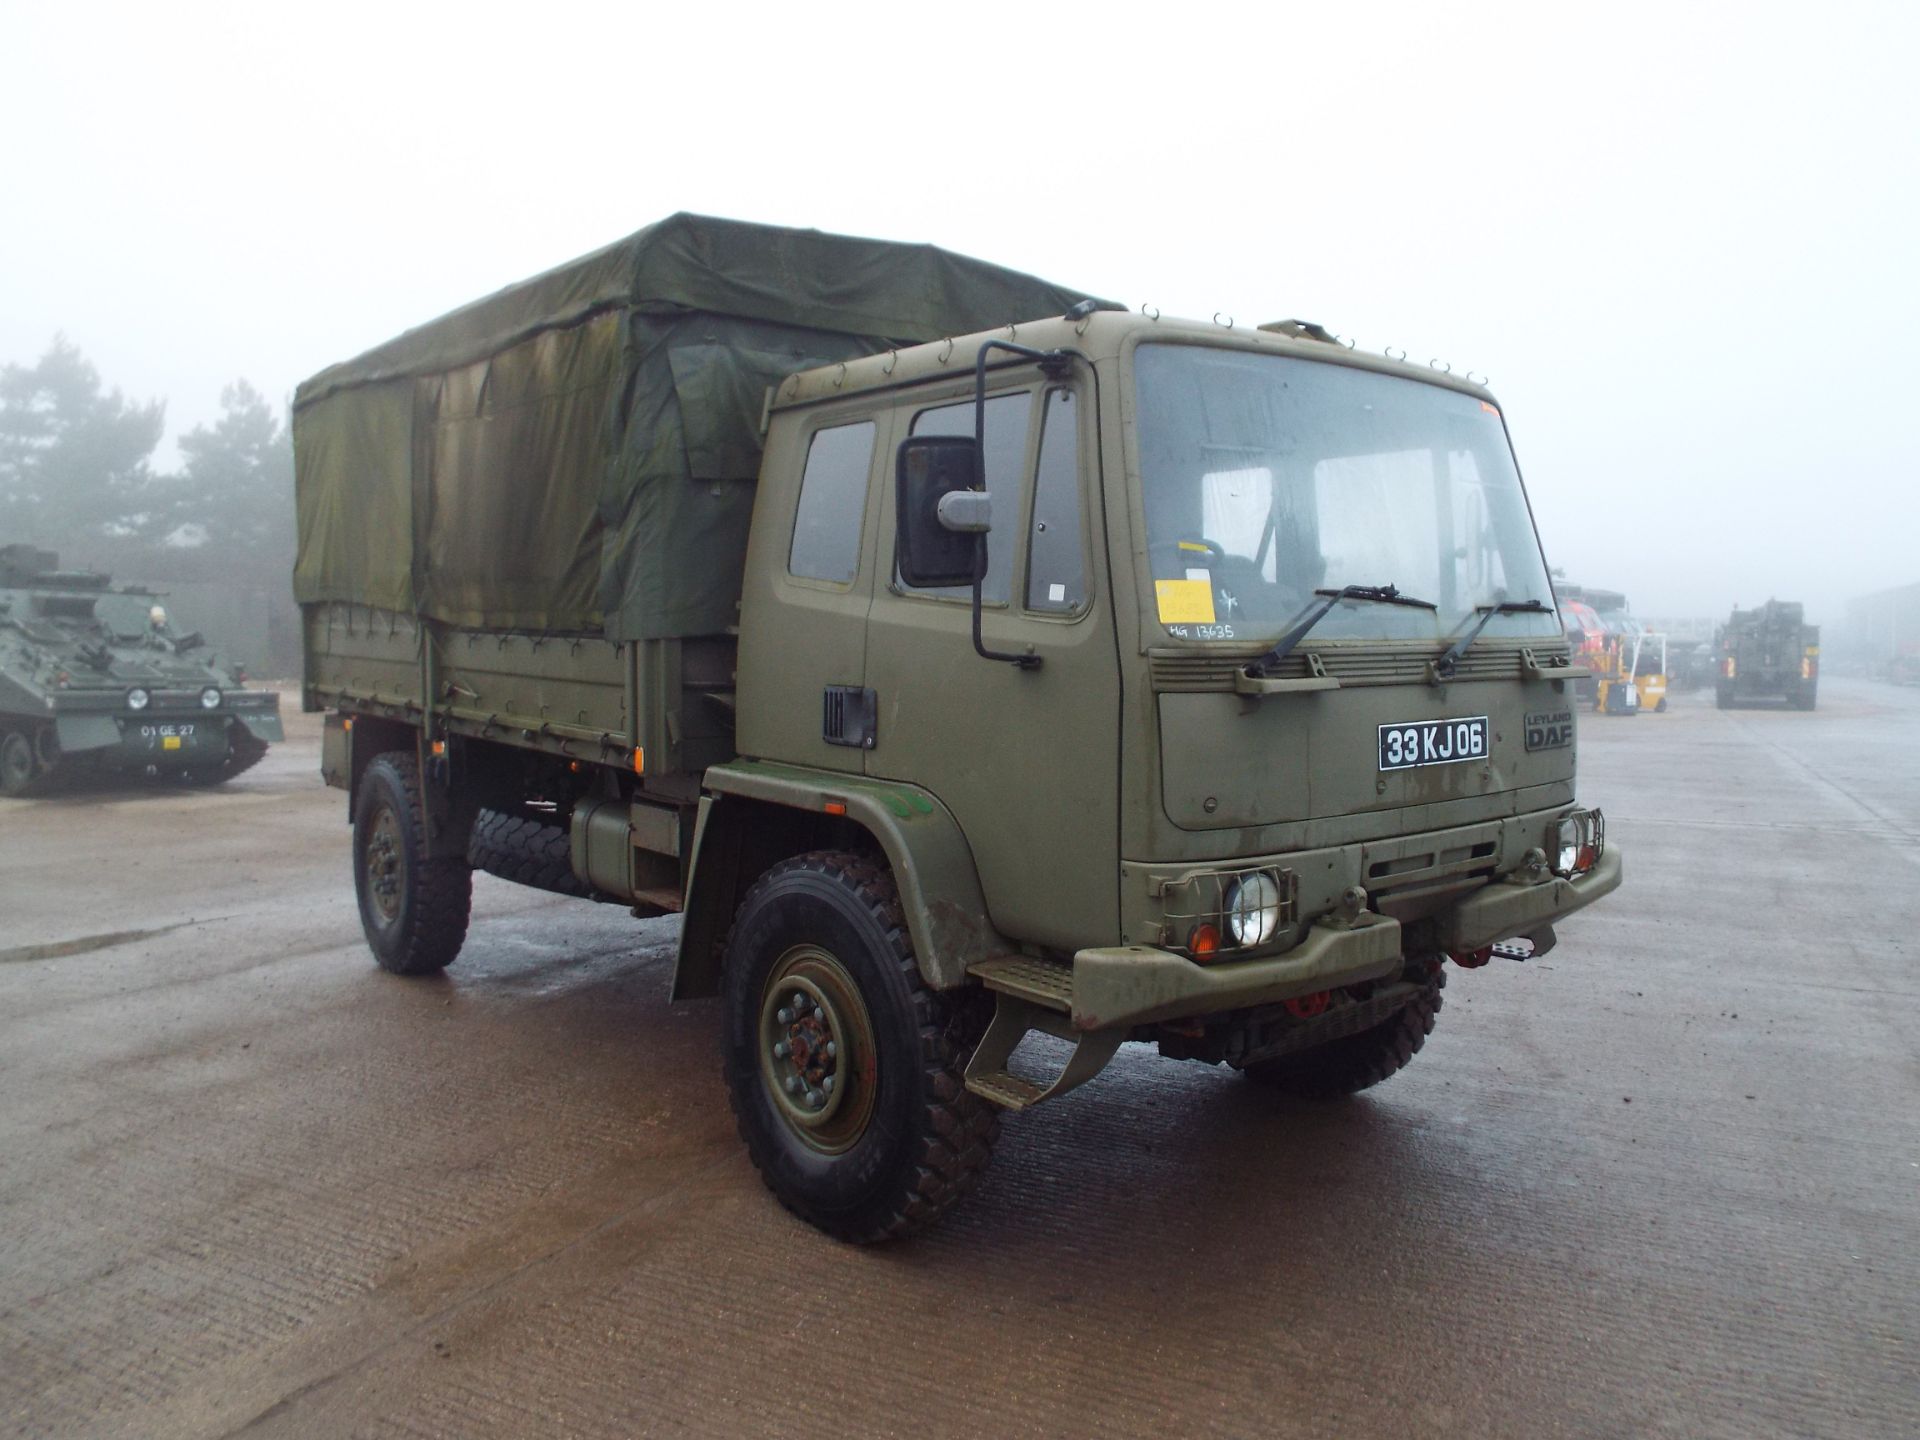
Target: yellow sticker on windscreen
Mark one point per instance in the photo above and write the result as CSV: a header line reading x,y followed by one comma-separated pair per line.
x,y
1185,602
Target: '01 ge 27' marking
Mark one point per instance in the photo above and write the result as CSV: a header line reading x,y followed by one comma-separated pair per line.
x,y
1412,743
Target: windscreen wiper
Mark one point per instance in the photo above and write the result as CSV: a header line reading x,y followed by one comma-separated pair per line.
x,y
1283,647
1443,668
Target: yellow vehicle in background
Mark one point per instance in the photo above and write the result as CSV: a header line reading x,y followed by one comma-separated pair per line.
x,y
1630,675
1650,670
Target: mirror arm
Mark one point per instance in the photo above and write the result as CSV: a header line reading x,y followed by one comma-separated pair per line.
x,y
1053,363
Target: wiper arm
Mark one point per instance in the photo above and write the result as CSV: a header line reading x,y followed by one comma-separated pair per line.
x,y
1283,647
1443,668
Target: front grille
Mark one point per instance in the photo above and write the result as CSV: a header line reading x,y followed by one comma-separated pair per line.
x,y
1188,670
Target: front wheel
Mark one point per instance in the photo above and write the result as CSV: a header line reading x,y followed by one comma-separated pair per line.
x,y
17,765
1356,1062
413,908
846,1074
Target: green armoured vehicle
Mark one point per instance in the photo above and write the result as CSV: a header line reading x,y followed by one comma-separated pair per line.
x,y
96,679
1768,654
962,659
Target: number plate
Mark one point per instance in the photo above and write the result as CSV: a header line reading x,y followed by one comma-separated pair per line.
x,y
1432,742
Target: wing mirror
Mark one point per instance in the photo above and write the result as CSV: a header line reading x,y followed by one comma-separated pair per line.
x,y
942,515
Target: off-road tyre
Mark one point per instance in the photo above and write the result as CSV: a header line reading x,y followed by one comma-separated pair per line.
x,y
244,752
1803,698
1722,697
18,767
1355,1062
413,909
927,1140
526,851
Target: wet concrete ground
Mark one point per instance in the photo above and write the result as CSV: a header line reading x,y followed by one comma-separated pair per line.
x,y
1665,1181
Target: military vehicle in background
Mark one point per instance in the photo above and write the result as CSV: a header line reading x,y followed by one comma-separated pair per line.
x,y
961,658
1768,654
96,679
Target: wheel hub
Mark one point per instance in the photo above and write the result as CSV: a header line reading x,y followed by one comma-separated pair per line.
x,y
384,865
817,1049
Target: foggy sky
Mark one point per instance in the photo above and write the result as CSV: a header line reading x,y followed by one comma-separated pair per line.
x,y
1680,240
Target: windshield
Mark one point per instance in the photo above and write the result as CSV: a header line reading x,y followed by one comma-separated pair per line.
x,y
1265,478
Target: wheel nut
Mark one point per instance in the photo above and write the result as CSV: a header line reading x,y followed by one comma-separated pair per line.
x,y
793,1084
816,1099
784,1015
832,1049
781,1050
826,1085
799,1001
818,1013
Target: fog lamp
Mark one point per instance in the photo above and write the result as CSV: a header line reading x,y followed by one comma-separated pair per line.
x,y
1251,908
137,699
210,698
1578,842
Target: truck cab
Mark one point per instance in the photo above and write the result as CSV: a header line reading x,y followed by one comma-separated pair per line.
x,y
1178,832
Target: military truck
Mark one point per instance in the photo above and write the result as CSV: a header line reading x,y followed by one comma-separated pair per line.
x,y
1768,654
963,659
95,679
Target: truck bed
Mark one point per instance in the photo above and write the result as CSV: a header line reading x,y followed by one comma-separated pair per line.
x,y
577,695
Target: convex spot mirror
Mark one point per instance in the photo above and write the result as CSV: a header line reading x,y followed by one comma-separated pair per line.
x,y
940,527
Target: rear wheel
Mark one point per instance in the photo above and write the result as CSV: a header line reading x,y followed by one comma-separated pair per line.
x,y
846,1073
17,765
1723,697
413,908
1355,1062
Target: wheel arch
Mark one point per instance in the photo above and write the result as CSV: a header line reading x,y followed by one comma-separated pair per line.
x,y
755,815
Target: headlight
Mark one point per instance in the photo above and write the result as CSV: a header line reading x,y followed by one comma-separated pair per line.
x,y
1578,842
210,698
1251,908
137,698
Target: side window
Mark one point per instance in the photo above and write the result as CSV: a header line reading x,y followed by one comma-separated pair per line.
x,y
833,498
1056,578
1006,463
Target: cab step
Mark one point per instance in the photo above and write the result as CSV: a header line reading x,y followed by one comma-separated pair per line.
x,y
1046,983
1032,995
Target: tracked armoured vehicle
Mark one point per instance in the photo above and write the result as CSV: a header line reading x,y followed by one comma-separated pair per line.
x,y
95,678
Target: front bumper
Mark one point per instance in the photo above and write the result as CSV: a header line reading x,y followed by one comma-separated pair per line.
x,y
1139,984
100,721
1502,910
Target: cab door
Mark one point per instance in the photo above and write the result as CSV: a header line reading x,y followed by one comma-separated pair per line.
x,y
808,586
1026,759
